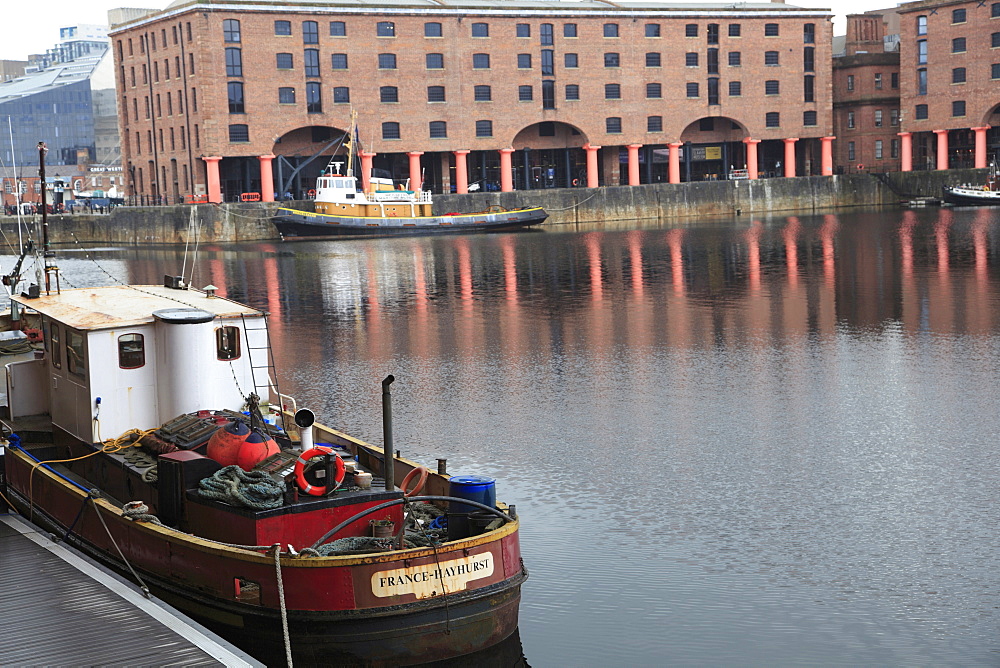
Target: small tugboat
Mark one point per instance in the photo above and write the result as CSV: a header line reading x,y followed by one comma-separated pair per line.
x,y
987,194
135,432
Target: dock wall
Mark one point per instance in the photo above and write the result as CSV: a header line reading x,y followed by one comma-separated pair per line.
x,y
229,223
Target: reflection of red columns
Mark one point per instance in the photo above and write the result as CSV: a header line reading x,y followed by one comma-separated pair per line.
x,y
366,169
826,155
212,169
791,234
753,254
942,149
675,241
592,178
506,182
790,156
980,146
753,170
415,181
674,163
906,151
633,164
461,172
266,178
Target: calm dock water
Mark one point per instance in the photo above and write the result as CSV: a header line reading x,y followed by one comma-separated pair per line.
x,y
756,442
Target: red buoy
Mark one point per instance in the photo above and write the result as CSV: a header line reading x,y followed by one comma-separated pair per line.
x,y
224,446
255,449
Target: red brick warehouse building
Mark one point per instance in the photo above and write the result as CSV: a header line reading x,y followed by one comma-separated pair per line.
x,y
538,94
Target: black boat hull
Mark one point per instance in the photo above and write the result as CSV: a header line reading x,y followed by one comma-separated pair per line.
x,y
293,224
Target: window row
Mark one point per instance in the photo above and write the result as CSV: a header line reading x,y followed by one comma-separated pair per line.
x,y
160,103
876,81
920,112
310,30
957,16
168,73
878,118
878,150
178,140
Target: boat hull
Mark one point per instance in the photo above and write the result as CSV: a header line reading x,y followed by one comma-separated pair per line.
x,y
336,613
970,196
293,224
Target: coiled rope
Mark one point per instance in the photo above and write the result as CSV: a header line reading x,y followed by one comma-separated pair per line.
x,y
251,489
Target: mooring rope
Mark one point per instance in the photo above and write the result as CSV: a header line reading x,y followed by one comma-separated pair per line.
x,y
281,600
233,485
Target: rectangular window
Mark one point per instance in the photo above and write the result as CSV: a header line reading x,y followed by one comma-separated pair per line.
x,y
894,117
611,30
894,148
282,27
438,129
995,71
546,35
385,29
131,351
484,128
483,94
613,126
921,82
234,62
310,32
338,29
772,119
850,151
994,13
958,45
712,61
809,33
548,94
691,59
286,96
958,108
734,29
654,91
435,94
569,30
239,132
310,62
285,61
570,60
480,61
809,118
654,124
388,94
809,59
548,63
691,30
850,82
52,344
771,87
523,30
878,118
770,30
958,75
231,30
922,52
314,98
652,60
612,91
692,89
713,33
227,343
771,58
390,130
735,59
480,29
878,81
652,30
808,88
432,29
850,119
525,93
735,89
958,16
995,40
611,60
434,61
572,92
921,112
341,95
236,105
76,353
338,61
524,61
387,61
713,91
878,149
921,25
894,80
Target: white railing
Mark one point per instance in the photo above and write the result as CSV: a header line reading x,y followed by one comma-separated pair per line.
x,y
420,197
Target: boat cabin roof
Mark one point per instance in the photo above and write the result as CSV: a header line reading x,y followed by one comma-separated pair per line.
x,y
126,305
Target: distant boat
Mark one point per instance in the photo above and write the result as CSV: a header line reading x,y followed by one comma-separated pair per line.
x,y
978,195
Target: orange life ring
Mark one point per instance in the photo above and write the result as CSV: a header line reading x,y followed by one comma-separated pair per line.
x,y
422,470
861,166
576,182
300,471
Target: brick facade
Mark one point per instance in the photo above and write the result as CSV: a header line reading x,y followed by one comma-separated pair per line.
x,y
175,106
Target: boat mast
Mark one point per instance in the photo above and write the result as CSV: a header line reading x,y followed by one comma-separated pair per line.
x,y
46,253
350,143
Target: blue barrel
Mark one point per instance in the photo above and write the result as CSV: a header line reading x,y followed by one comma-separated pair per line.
x,y
474,488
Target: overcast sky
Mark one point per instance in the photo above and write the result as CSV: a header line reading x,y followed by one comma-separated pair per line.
x,y
32,26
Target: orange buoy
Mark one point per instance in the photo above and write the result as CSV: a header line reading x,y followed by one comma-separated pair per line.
x,y
224,446
256,449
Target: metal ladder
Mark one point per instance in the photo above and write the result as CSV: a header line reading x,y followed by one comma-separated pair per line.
x,y
270,371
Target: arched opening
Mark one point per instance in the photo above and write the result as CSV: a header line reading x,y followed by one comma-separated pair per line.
x,y
713,149
549,155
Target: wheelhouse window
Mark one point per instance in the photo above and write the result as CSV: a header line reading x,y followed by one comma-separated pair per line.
x,y
131,351
76,353
53,343
227,343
